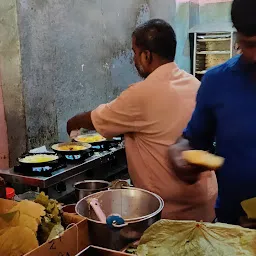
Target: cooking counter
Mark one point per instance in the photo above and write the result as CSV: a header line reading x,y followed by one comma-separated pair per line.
x,y
107,165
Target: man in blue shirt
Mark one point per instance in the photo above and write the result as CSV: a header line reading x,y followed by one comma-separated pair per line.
x,y
226,113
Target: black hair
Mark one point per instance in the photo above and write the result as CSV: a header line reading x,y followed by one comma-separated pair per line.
x,y
243,15
157,36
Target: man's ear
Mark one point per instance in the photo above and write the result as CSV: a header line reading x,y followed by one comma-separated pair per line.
x,y
147,57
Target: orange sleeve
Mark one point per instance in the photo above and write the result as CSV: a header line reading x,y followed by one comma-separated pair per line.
x,y
120,116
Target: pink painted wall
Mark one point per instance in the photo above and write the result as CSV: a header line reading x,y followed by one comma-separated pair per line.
x,y
4,151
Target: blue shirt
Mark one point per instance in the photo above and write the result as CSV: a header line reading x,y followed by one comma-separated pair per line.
x,y
226,113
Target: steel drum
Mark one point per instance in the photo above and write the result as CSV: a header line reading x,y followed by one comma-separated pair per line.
x,y
88,187
139,209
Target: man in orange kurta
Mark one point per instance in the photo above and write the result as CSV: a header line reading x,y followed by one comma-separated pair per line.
x,y
152,114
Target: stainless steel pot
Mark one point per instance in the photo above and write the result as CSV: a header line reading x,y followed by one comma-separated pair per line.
x,y
88,187
139,209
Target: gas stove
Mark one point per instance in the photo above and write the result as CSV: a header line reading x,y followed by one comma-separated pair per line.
x,y
46,169
108,163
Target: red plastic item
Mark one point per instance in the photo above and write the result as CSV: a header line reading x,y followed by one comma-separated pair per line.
x,y
10,193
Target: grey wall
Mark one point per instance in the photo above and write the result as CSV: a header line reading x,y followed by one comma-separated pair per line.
x,y
76,55
10,81
215,12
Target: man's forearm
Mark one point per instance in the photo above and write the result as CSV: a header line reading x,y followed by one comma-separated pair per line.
x,y
183,142
180,167
79,121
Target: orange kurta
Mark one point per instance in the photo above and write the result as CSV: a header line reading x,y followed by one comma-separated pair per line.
x,y
152,114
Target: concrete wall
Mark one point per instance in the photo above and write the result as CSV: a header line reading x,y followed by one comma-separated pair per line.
x,y
12,115
212,12
76,55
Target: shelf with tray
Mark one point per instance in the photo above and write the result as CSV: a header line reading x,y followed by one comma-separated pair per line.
x,y
211,47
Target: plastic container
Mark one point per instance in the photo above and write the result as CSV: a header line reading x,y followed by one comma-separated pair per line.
x,y
30,195
10,193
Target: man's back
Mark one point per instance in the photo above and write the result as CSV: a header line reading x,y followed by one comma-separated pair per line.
x,y
167,99
153,114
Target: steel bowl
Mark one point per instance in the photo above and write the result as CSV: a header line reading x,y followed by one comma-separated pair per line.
x,y
139,209
88,187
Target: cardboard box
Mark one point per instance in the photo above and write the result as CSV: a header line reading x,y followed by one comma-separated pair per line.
x,y
98,251
73,241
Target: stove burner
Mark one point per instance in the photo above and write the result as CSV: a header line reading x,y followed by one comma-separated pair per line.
x,y
41,169
73,157
79,157
104,146
44,171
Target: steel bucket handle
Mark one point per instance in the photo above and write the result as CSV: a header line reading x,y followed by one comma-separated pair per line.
x,y
117,184
116,221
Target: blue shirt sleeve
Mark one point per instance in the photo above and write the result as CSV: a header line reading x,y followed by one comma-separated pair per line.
x,y
202,127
